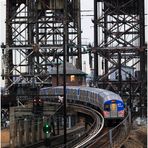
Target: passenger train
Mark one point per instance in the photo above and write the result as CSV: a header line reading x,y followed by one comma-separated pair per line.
x,y
110,104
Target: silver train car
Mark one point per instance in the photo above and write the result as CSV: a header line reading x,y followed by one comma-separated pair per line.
x,y
110,104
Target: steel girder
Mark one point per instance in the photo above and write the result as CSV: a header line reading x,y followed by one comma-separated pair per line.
x,y
34,40
119,39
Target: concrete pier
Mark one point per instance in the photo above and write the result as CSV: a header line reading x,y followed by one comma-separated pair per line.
x,y
27,128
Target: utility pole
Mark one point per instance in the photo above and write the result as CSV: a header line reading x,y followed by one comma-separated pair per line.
x,y
65,49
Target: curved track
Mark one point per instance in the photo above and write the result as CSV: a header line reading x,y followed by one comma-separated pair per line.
x,y
94,130
93,133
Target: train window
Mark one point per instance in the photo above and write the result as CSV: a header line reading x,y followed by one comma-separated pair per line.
x,y
87,97
91,97
94,98
73,92
78,92
107,107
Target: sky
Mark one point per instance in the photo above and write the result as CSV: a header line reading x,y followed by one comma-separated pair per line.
x,y
2,32
86,26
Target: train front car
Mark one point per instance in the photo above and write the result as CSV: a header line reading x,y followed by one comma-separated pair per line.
x,y
113,107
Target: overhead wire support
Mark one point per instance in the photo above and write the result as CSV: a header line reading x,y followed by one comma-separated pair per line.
x,y
65,49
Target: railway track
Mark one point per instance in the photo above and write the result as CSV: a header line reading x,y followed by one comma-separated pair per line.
x,y
113,136
94,130
86,137
95,136
103,140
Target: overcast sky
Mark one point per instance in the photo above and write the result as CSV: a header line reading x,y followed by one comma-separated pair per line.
x,y
87,26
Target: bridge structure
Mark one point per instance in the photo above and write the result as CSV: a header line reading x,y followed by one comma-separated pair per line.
x,y
84,127
27,129
119,42
40,33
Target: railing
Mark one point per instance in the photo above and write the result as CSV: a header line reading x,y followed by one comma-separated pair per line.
x,y
116,136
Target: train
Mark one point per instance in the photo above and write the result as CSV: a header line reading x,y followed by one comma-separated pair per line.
x,y
108,103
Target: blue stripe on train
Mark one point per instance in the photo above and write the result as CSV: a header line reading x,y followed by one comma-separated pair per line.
x,y
120,104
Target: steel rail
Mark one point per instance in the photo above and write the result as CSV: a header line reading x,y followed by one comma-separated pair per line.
x,y
94,130
103,140
93,133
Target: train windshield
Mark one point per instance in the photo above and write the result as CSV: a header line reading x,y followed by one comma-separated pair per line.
x,y
107,107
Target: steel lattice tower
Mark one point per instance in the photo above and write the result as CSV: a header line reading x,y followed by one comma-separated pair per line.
x,y
119,39
34,40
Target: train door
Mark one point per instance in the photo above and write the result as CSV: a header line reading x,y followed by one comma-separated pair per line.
x,y
113,109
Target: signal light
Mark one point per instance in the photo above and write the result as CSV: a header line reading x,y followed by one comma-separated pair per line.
x,y
47,131
34,102
38,106
113,101
46,128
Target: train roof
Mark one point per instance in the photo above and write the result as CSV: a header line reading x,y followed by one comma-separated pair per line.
x,y
105,94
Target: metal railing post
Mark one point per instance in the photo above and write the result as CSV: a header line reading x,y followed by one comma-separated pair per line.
x,y
110,139
129,114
